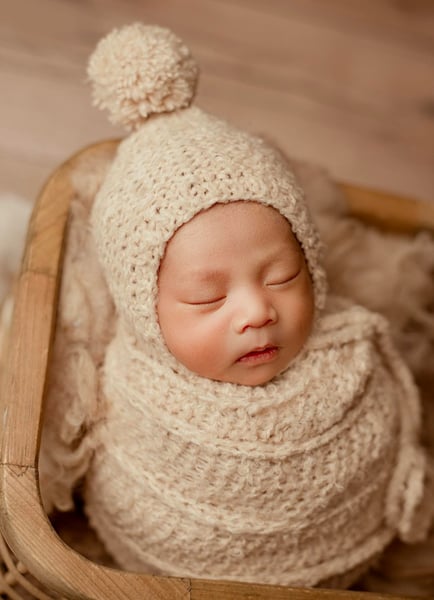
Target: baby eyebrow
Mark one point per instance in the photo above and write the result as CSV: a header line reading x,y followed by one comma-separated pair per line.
x,y
207,276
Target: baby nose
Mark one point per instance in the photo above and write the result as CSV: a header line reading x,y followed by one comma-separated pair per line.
x,y
255,311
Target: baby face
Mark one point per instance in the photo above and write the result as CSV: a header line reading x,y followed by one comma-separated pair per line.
x,y
235,298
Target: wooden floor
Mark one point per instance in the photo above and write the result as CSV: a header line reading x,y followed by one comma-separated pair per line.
x,y
342,83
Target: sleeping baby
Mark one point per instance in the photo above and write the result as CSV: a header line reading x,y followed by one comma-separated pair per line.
x,y
248,426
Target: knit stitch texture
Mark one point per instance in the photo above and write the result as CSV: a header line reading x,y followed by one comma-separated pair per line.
x,y
293,482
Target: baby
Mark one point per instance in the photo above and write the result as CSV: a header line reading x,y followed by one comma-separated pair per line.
x,y
248,427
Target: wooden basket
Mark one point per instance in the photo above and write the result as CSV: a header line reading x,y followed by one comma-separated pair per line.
x,y
61,571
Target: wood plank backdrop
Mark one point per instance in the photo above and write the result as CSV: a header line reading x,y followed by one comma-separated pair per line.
x,y
343,83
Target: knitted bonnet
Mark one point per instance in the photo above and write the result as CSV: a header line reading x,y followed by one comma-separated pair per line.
x,y
178,161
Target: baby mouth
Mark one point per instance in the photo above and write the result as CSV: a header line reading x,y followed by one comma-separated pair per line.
x,y
259,355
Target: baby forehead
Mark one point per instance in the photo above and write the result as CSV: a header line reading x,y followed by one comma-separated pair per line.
x,y
230,231
236,220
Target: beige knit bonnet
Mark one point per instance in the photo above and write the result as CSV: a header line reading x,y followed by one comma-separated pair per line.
x,y
178,161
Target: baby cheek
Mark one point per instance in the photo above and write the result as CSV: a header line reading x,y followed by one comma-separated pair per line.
x,y
205,344
171,325
306,308
193,339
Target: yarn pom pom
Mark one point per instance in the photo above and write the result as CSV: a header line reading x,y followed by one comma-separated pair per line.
x,y
139,70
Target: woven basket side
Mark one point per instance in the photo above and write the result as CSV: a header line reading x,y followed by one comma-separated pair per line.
x,y
16,583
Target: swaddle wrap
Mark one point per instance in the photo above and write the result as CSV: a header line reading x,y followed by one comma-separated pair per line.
x,y
293,482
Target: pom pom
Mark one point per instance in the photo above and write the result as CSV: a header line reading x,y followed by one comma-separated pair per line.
x,y
139,70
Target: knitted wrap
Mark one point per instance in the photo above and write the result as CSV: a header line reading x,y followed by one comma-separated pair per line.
x,y
292,483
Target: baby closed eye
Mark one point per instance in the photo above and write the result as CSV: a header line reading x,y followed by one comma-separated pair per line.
x,y
206,302
282,281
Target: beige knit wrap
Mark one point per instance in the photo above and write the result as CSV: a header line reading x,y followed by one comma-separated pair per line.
x,y
293,482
